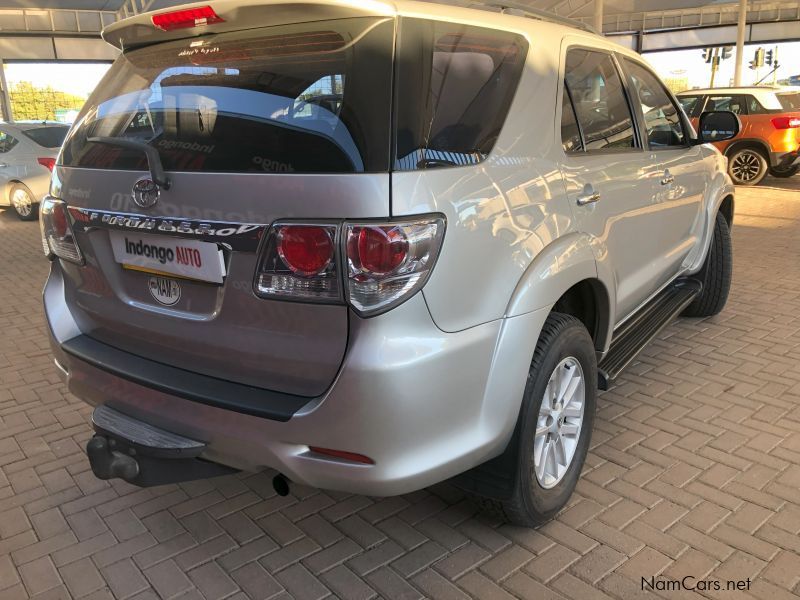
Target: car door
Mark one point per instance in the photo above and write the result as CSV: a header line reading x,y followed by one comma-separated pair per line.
x,y
683,178
607,173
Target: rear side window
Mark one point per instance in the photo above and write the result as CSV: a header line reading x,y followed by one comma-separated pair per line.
x,y
301,98
570,134
7,142
661,117
48,137
454,87
597,93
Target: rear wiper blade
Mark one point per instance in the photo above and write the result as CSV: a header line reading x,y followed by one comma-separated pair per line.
x,y
153,158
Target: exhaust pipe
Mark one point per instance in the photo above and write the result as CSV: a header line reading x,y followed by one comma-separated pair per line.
x,y
280,484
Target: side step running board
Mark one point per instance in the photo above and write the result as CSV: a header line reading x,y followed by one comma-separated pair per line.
x,y
641,328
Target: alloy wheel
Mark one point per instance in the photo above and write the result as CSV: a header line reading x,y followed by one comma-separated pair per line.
x,y
746,165
558,426
22,202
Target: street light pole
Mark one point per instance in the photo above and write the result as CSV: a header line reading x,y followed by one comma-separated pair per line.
x,y
740,30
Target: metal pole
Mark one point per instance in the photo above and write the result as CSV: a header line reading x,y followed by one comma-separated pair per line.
x,y
740,30
714,66
598,16
5,101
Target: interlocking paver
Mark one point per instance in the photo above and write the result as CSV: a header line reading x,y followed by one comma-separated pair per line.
x,y
694,469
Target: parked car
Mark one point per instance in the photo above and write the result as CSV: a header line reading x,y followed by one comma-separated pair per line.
x,y
279,240
27,154
769,141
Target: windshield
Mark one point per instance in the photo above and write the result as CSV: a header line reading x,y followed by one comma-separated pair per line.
x,y
48,137
291,99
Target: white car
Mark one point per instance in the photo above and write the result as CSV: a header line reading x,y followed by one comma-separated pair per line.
x,y
27,154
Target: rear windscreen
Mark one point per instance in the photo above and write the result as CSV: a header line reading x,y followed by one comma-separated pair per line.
x,y
789,101
305,98
48,137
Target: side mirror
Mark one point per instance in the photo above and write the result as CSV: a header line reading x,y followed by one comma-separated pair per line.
x,y
717,125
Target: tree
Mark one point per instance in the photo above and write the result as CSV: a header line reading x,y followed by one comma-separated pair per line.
x,y
31,103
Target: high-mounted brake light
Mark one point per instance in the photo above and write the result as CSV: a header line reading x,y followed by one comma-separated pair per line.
x,y
786,122
48,162
188,17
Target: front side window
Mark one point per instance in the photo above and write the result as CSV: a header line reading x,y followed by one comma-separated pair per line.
x,y
7,142
734,104
662,119
689,104
300,98
454,87
600,104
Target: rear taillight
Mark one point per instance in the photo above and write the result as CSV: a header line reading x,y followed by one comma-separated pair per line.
x,y
306,250
372,266
786,122
48,162
57,237
189,17
388,263
299,263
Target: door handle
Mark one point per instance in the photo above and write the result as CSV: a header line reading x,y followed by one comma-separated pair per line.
x,y
588,197
668,178
3,165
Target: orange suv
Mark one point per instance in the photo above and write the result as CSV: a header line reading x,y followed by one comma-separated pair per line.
x,y
769,141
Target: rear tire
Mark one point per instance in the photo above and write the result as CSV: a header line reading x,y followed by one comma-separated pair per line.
x,y
784,172
716,273
544,477
747,166
22,201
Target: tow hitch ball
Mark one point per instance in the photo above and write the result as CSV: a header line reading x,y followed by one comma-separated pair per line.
x,y
108,463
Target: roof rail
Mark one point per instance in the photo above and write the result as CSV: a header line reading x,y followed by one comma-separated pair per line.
x,y
510,7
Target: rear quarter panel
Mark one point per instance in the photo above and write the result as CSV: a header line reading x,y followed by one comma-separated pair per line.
x,y
500,213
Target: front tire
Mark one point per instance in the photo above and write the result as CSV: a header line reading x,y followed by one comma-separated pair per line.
x,y
23,202
747,166
716,273
554,426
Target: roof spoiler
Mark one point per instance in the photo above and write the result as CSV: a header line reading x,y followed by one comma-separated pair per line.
x,y
236,15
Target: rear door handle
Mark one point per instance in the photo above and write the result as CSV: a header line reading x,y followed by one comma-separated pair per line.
x,y
589,196
668,178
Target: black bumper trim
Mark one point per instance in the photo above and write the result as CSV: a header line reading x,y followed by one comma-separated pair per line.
x,y
211,391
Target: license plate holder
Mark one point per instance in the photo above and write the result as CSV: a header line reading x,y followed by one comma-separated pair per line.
x,y
170,256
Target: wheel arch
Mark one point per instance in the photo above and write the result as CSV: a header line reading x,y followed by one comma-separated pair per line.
x,y
566,277
757,143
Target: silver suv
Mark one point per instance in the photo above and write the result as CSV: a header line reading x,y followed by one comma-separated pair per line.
x,y
372,246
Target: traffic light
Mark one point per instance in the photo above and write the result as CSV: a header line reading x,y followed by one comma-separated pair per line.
x,y
707,54
726,52
758,59
768,58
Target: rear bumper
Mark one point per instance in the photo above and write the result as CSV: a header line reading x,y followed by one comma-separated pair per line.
x,y
424,405
784,160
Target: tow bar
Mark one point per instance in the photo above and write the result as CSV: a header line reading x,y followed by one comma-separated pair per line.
x,y
144,455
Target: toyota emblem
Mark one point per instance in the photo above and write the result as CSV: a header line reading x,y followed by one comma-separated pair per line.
x,y
146,192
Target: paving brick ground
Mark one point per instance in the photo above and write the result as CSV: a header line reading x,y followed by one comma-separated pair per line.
x,y
695,470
